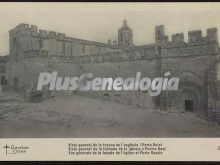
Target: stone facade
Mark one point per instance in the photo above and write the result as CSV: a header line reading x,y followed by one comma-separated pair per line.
x,y
125,36
3,68
196,63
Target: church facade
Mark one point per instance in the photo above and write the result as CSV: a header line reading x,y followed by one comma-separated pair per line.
x,y
195,62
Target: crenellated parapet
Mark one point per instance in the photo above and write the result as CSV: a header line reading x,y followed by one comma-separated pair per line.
x,y
196,36
26,38
160,34
18,28
53,34
197,44
33,30
212,34
43,33
178,38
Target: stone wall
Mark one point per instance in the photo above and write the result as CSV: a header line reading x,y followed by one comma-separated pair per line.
x,y
30,40
34,51
192,65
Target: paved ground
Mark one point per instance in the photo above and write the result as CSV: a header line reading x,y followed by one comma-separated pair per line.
x,y
79,116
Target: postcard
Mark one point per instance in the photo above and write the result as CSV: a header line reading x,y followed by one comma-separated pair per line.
x,y
110,81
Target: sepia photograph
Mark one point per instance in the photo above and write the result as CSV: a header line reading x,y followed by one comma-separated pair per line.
x,y
104,70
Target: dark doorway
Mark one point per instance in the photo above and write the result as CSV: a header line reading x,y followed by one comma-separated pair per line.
x,y
189,105
3,80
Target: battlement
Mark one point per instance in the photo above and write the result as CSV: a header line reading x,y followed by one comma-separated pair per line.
x,y
160,34
212,34
45,33
178,37
22,26
34,31
197,43
34,28
194,37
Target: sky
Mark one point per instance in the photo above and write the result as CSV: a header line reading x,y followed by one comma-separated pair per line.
x,y
101,21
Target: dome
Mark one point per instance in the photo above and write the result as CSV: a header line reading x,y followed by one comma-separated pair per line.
x,y
125,26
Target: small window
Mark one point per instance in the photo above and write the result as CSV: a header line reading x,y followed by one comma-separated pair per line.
x,y
3,80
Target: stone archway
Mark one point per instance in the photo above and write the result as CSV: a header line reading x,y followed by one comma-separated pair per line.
x,y
190,96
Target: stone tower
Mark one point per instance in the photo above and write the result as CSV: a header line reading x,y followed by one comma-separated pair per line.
x,y
160,34
125,36
212,34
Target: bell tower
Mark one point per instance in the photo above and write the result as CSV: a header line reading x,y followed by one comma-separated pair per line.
x,y
125,36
